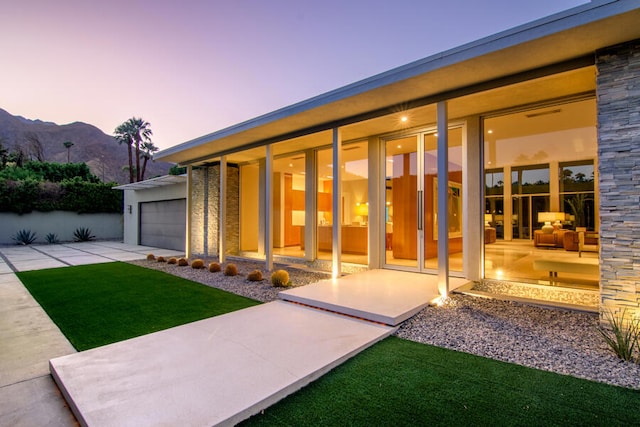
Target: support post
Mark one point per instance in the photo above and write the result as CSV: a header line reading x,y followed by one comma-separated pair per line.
x,y
222,217
443,200
337,204
268,244
187,249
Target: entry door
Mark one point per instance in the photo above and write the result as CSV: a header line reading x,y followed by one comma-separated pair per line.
x,y
410,203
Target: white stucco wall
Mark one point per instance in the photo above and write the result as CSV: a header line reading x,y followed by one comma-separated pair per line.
x,y
61,223
133,198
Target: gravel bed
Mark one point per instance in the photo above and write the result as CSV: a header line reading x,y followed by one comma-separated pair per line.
x,y
239,285
562,341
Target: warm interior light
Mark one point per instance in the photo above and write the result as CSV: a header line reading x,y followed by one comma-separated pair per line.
x,y
489,131
297,218
404,118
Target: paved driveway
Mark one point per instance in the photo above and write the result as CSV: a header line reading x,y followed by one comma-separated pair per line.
x,y
28,337
38,257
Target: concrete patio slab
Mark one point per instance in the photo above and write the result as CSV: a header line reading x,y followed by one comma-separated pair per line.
x,y
216,371
385,296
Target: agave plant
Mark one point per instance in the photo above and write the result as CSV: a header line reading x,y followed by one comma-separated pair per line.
x,y
622,335
52,238
24,237
83,234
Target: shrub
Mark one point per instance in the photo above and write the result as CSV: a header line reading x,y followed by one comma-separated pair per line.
x,y
214,267
231,270
83,234
151,257
255,276
172,260
52,238
161,259
24,237
622,336
183,262
197,264
280,278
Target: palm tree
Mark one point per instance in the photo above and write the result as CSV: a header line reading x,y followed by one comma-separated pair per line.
x,y
68,145
123,136
147,152
134,132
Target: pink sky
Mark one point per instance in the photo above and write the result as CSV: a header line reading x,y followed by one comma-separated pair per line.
x,y
192,67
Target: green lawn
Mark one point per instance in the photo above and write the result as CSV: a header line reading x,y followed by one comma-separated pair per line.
x,y
403,383
395,382
99,304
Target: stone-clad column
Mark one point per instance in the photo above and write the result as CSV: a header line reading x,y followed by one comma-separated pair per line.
x,y
618,93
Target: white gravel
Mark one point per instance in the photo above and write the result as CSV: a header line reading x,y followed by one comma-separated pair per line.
x,y
562,341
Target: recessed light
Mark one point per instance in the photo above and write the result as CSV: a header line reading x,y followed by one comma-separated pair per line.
x,y
399,146
490,131
404,119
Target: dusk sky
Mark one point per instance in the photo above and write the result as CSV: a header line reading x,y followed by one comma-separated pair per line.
x,y
192,67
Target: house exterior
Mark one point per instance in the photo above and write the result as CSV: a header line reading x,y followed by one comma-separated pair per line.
x,y
522,148
155,212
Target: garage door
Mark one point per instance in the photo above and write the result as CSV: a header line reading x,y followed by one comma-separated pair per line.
x,y
163,224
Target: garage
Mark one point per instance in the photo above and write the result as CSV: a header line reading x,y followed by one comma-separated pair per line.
x,y
163,224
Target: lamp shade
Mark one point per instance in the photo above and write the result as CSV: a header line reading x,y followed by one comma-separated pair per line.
x,y
546,216
362,209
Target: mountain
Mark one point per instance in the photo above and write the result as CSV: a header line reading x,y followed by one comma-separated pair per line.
x,y
101,152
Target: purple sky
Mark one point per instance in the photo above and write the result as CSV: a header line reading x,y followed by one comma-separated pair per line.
x,y
192,67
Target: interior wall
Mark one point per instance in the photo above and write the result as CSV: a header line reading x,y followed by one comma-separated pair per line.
x,y
249,199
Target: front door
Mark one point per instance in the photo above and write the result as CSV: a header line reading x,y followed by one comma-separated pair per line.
x,y
411,202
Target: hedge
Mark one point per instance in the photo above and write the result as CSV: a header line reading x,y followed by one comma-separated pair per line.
x,y
69,195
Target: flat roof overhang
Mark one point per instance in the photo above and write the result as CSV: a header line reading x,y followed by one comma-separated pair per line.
x,y
560,42
160,181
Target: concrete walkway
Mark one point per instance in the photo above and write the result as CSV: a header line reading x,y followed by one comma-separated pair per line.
x,y
28,337
217,371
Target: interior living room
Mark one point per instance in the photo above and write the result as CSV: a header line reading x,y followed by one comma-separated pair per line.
x,y
541,225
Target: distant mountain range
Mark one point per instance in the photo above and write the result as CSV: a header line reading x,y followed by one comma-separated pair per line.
x,y
101,152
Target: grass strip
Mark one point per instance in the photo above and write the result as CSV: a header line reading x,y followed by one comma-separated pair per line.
x,y
98,304
402,383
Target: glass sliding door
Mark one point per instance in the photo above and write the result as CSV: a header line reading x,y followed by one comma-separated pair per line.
x,y
403,224
411,204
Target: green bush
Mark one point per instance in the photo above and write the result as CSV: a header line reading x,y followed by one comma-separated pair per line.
x,y
45,186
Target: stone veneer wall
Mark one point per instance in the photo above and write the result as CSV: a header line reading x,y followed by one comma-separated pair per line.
x,y
206,206
618,93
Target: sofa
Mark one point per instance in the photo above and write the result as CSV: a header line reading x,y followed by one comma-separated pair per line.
x,y
571,240
550,240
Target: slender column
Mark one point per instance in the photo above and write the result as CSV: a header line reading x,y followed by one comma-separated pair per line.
x,y
554,187
310,205
443,200
222,216
472,203
268,244
262,203
337,203
376,197
507,205
187,249
205,204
